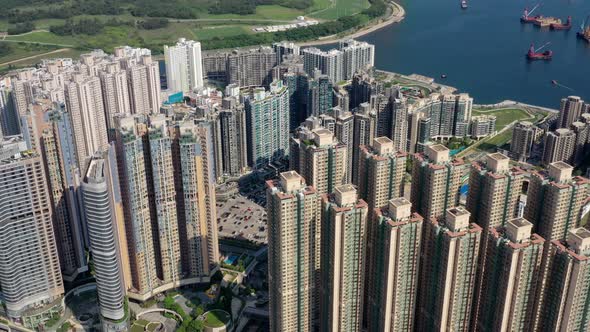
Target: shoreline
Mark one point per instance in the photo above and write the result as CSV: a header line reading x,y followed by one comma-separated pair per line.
x,y
398,13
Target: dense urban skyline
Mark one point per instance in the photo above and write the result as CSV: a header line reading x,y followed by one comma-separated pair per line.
x,y
115,174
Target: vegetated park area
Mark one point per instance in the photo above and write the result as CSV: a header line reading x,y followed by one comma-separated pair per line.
x,y
504,117
30,28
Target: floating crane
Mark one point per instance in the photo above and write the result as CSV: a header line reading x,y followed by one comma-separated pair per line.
x,y
584,32
534,54
526,16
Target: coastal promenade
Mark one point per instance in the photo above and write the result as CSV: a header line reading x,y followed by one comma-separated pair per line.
x,y
396,13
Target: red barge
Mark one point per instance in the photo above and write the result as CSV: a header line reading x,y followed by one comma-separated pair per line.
x,y
561,26
533,54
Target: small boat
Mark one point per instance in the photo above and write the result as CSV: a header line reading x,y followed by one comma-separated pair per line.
x,y
554,82
464,4
443,76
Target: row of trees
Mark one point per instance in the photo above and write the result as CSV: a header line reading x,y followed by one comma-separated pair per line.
x,y
63,11
246,7
19,28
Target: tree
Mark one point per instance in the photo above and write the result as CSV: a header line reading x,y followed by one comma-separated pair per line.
x,y
196,325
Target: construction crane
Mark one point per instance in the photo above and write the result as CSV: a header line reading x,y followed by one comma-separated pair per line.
x,y
542,47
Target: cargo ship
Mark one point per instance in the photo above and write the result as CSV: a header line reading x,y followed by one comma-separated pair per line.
x,y
527,18
545,22
533,54
584,32
560,26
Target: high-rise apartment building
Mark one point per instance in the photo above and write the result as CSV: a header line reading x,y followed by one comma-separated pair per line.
x,y
319,95
250,68
524,136
381,172
493,200
231,125
340,64
30,278
322,161
392,282
49,131
364,132
450,252
85,104
435,181
554,201
399,124
559,146
494,191
164,198
196,200
570,111
98,190
356,56
9,117
565,307
513,266
344,222
293,210
133,177
285,48
115,92
184,68
267,122
344,132
582,132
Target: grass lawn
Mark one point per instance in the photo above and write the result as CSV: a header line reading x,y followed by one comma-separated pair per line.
x,y
221,31
268,12
341,8
19,51
504,116
216,318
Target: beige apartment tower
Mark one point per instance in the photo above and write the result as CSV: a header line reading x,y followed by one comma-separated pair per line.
x,y
554,201
513,266
493,200
323,161
293,210
392,285
344,221
566,302
450,252
30,276
435,181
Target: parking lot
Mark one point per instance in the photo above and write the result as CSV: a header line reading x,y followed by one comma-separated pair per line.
x,y
241,218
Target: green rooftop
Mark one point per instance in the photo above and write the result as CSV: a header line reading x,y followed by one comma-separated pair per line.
x,y
216,318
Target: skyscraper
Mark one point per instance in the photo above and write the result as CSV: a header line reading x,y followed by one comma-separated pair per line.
x,y
364,132
493,200
98,195
196,200
344,132
267,122
344,221
524,135
131,159
322,160
450,252
435,181
85,104
513,266
392,282
231,123
115,92
164,198
566,303
30,277
559,146
184,68
570,111
554,201
293,211
381,172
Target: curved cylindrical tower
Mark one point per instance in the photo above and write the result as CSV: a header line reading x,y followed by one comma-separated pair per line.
x,y
103,243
